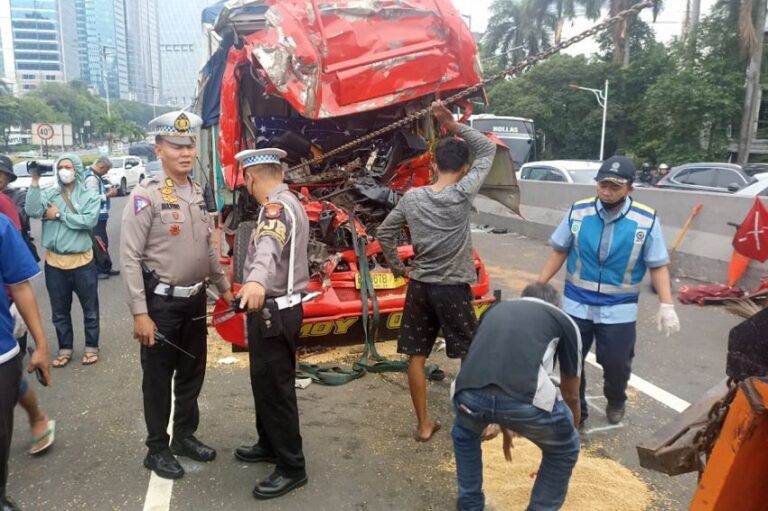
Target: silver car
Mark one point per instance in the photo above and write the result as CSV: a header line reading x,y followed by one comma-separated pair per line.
x,y
707,177
563,171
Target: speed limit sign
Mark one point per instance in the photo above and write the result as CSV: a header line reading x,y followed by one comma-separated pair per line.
x,y
45,131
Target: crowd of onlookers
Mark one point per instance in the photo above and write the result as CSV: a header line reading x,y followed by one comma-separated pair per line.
x,y
74,216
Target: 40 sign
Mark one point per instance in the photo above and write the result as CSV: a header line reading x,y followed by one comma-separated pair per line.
x,y
45,131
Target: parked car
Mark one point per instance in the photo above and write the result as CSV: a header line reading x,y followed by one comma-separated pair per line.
x,y
563,171
757,189
707,177
126,172
23,171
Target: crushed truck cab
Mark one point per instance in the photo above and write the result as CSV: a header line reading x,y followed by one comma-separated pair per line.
x,y
310,77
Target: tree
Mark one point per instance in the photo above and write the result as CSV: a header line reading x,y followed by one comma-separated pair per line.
x,y
751,28
518,28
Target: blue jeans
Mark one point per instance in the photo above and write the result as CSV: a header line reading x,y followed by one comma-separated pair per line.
x,y
553,433
82,282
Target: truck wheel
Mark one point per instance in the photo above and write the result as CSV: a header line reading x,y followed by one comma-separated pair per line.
x,y
123,188
242,237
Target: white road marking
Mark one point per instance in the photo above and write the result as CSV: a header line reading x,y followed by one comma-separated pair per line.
x,y
650,390
604,428
159,491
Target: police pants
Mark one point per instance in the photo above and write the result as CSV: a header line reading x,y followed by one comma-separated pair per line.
x,y
273,382
173,317
614,350
10,378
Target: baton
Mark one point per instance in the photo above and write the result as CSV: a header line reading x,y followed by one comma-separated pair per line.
x,y
161,338
235,306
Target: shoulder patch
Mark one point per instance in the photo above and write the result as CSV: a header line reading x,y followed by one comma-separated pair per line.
x,y
273,210
274,228
140,204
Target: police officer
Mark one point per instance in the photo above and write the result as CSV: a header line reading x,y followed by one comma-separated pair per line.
x,y
276,272
166,255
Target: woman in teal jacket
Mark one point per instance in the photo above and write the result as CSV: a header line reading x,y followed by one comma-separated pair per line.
x,y
69,212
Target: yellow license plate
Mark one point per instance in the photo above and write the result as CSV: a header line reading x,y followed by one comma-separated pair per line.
x,y
382,280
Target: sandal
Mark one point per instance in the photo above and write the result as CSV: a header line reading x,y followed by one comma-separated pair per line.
x,y
44,441
90,358
61,360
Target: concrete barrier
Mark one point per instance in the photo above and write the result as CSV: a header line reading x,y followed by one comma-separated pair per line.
x,y
704,253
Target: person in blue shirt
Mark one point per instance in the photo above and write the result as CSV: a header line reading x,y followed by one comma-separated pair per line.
x,y
95,181
17,266
608,243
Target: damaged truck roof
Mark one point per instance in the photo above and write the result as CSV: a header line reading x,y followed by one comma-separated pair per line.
x,y
330,59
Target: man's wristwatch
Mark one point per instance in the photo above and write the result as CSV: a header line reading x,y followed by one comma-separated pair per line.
x,y
58,215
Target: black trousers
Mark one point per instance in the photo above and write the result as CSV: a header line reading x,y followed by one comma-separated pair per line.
x,y
162,363
615,350
273,382
10,379
100,230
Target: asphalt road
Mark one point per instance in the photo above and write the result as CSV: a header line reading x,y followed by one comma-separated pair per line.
x,y
357,437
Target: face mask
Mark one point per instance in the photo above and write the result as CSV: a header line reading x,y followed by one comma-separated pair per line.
x,y
613,205
66,176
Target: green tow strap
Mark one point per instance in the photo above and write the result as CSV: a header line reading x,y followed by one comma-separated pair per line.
x,y
329,374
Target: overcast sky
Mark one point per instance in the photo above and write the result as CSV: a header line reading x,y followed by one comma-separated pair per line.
x,y
667,26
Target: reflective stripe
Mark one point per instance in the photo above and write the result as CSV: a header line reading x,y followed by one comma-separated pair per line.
x,y
603,288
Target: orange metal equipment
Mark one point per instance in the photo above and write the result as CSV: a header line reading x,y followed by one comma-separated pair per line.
x,y
734,478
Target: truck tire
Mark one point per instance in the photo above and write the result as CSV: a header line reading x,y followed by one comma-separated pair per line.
x,y
242,237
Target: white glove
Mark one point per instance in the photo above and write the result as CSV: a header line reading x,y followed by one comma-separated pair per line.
x,y
667,320
19,327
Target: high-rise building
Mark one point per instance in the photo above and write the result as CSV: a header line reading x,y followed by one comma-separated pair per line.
x,y
68,38
7,62
102,46
180,49
143,51
35,40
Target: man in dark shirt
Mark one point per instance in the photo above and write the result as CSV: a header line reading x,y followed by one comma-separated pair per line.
x,y
505,380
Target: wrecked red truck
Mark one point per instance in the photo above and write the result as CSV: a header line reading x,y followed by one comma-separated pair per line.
x,y
310,77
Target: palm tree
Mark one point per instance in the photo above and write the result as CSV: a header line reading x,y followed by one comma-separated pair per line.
x,y
751,23
620,32
519,28
566,10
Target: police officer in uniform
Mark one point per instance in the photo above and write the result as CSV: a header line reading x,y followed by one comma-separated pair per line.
x,y
166,255
276,272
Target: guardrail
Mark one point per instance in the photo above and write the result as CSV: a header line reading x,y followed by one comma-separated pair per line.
x,y
704,253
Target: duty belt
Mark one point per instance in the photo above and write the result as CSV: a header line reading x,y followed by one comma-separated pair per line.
x,y
179,291
287,301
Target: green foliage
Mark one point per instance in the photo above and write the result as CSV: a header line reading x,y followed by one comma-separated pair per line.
x,y
73,103
673,103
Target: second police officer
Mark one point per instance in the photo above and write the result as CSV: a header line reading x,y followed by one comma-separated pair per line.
x,y
276,272
166,253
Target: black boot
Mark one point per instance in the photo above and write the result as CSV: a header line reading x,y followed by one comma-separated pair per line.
x,y
277,485
193,448
615,412
254,454
164,464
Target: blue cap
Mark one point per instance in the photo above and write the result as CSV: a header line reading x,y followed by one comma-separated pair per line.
x,y
618,169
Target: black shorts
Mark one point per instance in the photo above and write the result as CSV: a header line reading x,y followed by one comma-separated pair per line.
x,y
430,307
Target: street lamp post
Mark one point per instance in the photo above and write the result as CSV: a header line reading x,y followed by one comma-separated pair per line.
x,y
602,100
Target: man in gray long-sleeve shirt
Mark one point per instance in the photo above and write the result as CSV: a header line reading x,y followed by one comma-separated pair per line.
x,y
439,295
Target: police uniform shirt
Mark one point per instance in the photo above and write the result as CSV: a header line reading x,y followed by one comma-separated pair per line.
x,y
267,261
171,234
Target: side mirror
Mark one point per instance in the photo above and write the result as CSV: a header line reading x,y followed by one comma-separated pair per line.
x,y
733,187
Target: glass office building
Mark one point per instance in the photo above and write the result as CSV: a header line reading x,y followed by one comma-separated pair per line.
x,y
37,52
102,46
